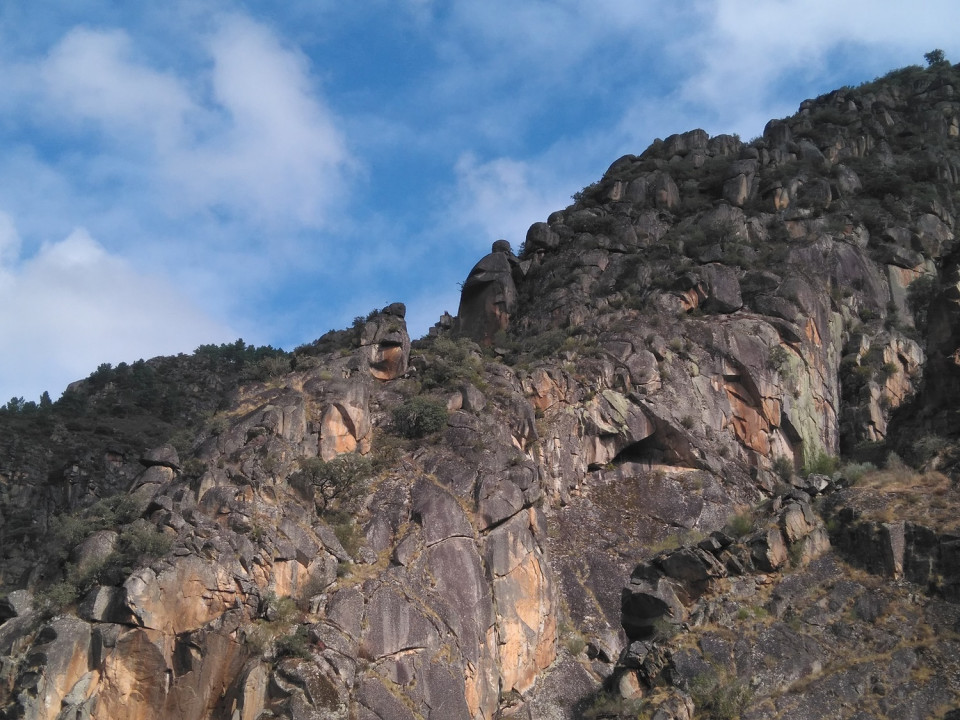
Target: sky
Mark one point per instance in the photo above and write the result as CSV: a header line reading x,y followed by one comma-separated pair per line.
x,y
189,172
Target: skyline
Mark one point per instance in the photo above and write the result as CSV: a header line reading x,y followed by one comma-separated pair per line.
x,y
203,171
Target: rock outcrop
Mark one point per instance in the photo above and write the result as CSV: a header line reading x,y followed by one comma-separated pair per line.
x,y
385,342
594,493
489,294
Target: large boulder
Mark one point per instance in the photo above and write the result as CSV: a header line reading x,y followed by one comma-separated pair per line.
x,y
385,344
489,295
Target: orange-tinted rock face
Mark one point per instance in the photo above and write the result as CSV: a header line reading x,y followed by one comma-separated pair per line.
x,y
388,362
749,424
345,425
668,341
181,598
526,604
337,433
385,344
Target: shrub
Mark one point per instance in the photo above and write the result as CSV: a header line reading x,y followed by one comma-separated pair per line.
x,y
347,531
194,468
936,58
783,467
821,464
419,417
920,294
853,472
740,524
926,447
612,705
544,344
778,357
664,629
342,479
296,644
71,529
586,193
281,610
572,639
895,462
268,368
724,697
451,362
141,540
56,598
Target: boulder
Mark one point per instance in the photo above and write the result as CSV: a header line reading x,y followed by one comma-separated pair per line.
x,y
164,456
768,550
721,287
649,598
103,604
94,550
489,295
385,344
541,236
345,425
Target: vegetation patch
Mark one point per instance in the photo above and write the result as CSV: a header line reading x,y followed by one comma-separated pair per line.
x,y
419,417
339,482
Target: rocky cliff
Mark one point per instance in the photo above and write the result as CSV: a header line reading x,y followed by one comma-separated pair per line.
x,y
690,452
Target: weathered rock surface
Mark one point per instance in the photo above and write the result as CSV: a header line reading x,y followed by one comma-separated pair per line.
x,y
385,342
489,295
707,317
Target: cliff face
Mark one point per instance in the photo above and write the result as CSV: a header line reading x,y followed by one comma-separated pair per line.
x,y
593,492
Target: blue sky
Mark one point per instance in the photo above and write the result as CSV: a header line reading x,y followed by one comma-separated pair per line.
x,y
180,173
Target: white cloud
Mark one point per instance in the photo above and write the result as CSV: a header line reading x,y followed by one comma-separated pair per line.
x,y
73,306
278,150
501,198
250,136
92,76
743,53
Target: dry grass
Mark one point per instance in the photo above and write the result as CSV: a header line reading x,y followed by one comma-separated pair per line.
x,y
904,480
929,498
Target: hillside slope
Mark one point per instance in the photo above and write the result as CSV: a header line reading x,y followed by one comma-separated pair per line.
x,y
691,452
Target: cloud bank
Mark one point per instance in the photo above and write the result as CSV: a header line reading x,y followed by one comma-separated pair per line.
x,y
73,306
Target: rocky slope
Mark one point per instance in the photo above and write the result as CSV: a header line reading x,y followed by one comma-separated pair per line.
x,y
609,487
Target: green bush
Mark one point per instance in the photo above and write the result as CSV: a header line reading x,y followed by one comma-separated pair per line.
x,y
853,472
779,357
612,705
268,368
348,532
724,697
296,644
920,294
342,480
740,524
56,598
821,464
450,363
194,468
936,58
419,417
109,513
141,540
925,448
281,610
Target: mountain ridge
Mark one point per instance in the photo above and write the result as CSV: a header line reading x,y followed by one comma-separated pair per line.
x,y
610,487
